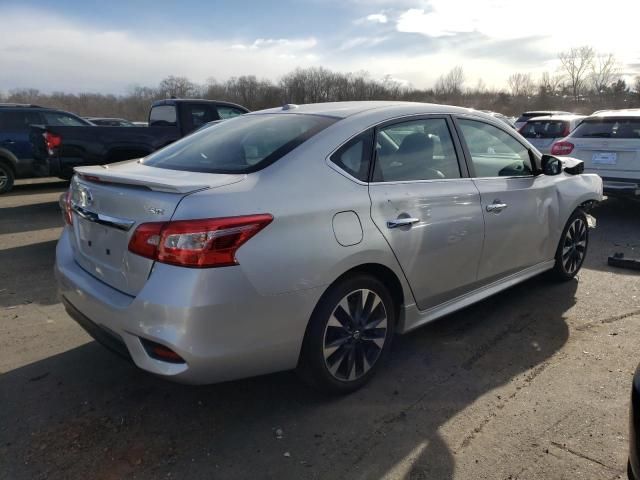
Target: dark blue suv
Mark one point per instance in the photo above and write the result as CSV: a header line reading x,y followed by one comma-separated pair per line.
x,y
16,159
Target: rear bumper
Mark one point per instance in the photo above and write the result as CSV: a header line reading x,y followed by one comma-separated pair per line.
x,y
222,333
621,187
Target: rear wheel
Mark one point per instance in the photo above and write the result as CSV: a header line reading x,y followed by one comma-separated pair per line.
x,y
7,178
349,335
572,248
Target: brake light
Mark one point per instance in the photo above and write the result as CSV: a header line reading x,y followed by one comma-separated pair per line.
x,y
562,148
211,242
66,208
52,141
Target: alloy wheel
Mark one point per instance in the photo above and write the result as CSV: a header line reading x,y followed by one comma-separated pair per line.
x,y
4,178
355,335
574,247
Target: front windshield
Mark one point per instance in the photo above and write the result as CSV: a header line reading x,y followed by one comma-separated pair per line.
x,y
240,145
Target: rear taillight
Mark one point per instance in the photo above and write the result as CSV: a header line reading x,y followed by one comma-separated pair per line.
x,y
52,141
209,242
65,204
562,148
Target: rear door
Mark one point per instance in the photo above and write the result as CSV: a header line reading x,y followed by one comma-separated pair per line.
x,y
14,135
519,208
426,207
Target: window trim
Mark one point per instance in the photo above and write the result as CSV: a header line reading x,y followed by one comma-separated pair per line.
x,y
457,145
535,160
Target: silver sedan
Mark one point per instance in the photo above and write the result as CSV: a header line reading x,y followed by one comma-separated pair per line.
x,y
307,236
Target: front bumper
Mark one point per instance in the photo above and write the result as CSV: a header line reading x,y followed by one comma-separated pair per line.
x,y
224,330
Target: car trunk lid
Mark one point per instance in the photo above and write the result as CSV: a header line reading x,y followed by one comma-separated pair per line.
x,y
609,158
109,204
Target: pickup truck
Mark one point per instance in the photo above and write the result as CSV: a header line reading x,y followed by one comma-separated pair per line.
x,y
57,150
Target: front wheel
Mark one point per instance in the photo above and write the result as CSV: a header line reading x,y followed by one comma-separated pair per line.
x,y
349,335
572,248
6,178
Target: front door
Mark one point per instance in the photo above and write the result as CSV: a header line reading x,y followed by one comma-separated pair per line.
x,y
519,207
428,212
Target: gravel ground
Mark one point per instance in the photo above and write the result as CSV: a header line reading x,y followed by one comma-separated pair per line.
x,y
532,383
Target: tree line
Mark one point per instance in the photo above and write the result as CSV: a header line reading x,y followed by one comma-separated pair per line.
x,y
584,81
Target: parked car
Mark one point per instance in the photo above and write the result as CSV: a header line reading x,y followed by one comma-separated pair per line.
x,y
609,145
633,467
537,113
16,159
57,150
500,116
110,122
279,240
542,132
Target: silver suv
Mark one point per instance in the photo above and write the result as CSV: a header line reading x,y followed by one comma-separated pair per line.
x,y
609,144
307,236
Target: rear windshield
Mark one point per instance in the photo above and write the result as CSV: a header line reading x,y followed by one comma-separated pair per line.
x,y
608,128
545,129
240,145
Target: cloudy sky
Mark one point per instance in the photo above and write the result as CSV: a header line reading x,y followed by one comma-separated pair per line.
x,y
108,46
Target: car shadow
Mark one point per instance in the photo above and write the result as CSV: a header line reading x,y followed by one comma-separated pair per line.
x,y
22,188
85,413
27,275
29,218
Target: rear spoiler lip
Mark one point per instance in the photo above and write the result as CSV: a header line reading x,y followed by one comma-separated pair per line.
x,y
97,174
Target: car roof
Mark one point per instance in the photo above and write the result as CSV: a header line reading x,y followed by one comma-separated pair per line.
x,y
557,117
22,105
176,101
348,109
540,113
628,112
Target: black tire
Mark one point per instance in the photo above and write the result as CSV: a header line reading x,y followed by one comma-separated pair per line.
x,y
7,177
356,345
572,247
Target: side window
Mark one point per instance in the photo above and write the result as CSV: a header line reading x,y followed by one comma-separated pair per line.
x,y
355,156
18,120
163,115
415,150
229,112
195,116
59,119
494,153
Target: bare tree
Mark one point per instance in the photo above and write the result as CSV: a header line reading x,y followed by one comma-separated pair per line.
x,y
179,87
521,84
604,71
549,85
450,85
576,64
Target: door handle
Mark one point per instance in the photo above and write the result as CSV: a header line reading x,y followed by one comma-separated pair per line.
x,y
402,222
496,207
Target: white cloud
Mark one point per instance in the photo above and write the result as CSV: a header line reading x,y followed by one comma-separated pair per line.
x,y
361,42
53,53
378,18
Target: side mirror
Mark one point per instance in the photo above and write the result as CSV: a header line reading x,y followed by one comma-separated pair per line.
x,y
551,165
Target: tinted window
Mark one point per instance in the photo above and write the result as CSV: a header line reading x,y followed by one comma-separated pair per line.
x,y
229,112
239,145
163,115
545,129
494,153
18,120
608,128
415,150
355,156
198,115
59,119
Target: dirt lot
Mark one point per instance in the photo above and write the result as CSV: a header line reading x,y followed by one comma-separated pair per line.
x,y
530,384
